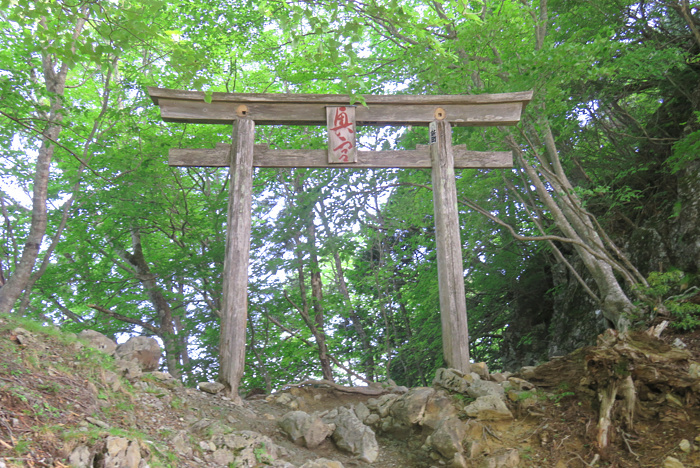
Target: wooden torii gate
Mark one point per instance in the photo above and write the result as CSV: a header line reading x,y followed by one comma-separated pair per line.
x,y
244,111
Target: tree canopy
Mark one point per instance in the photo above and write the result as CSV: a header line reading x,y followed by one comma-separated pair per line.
x,y
99,232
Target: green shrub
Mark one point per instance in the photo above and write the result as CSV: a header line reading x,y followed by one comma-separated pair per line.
x,y
669,291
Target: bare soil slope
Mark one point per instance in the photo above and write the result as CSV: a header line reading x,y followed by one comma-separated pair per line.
x,y
56,394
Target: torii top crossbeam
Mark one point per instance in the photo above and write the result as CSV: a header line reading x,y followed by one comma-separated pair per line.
x,y
309,109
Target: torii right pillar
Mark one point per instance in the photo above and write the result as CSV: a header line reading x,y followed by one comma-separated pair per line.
x,y
453,303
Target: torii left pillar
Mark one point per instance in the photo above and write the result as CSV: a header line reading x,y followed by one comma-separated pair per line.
x,y
234,309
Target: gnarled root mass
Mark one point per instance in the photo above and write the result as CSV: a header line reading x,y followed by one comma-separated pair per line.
x,y
630,375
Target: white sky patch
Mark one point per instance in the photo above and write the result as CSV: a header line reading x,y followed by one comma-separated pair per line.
x,y
10,185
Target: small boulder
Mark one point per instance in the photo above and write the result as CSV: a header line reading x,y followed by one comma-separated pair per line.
x,y
122,453
382,404
322,463
510,458
694,370
361,411
499,377
128,369
209,427
520,384
98,341
438,407
488,408
180,443
144,350
80,457
211,387
452,379
481,369
245,449
685,446
527,372
671,462
479,388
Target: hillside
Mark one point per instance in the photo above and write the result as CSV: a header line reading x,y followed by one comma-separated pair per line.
x,y
63,400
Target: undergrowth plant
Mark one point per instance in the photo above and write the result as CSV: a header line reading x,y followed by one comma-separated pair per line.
x,y
669,294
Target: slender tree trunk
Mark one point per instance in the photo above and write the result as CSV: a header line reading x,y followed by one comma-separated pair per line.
x,y
368,362
86,157
317,303
303,310
55,78
157,300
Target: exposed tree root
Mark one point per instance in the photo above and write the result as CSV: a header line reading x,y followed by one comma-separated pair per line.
x,y
616,370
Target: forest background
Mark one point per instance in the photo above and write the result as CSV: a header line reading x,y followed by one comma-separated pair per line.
x,y
598,224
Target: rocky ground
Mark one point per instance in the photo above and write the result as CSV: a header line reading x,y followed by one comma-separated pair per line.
x,y
64,404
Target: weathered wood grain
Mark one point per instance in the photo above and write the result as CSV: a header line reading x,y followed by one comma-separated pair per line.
x,y
157,94
224,112
416,159
234,309
453,306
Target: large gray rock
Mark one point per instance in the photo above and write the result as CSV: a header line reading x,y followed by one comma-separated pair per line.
x,y
305,429
447,438
488,408
353,436
409,409
145,351
438,407
128,369
98,341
